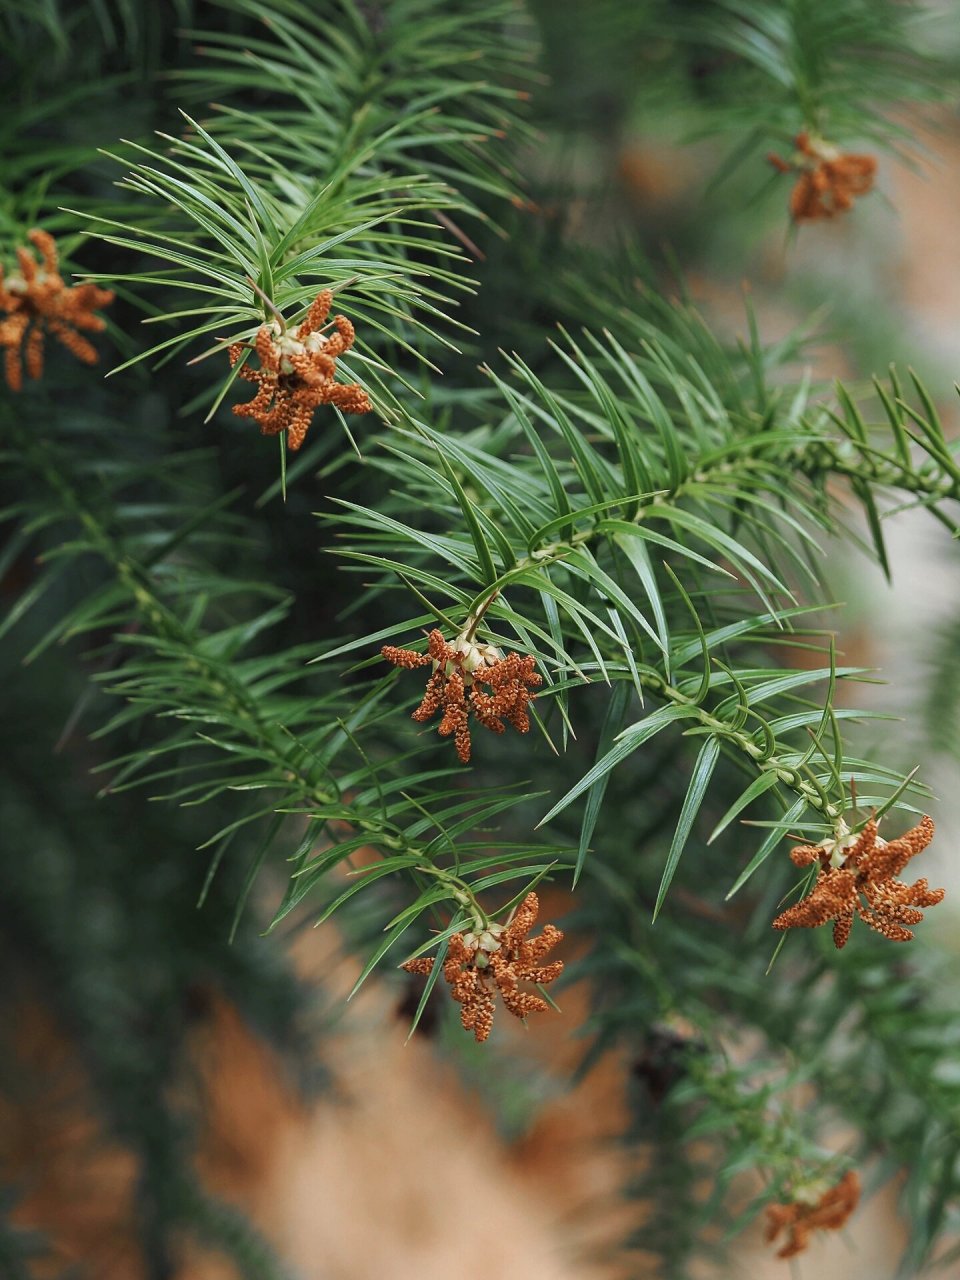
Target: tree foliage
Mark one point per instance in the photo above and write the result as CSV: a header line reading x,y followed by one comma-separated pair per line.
x,y
580,470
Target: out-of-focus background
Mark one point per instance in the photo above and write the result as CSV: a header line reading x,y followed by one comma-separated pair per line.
x,y
402,1166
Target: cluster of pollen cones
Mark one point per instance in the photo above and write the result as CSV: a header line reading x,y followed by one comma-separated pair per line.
x,y
828,180
35,301
497,959
857,876
297,373
454,687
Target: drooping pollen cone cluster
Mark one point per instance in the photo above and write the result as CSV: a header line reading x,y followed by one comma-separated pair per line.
x,y
828,1212
35,301
459,669
858,876
297,373
498,958
828,179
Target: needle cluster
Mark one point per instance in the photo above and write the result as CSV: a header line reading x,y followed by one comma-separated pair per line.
x,y
35,301
297,373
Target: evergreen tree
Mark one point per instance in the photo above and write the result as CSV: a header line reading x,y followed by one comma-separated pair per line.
x,y
520,488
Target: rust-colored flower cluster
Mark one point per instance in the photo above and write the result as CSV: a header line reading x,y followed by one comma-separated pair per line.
x,y
36,301
497,958
858,876
829,1212
459,669
828,179
298,373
